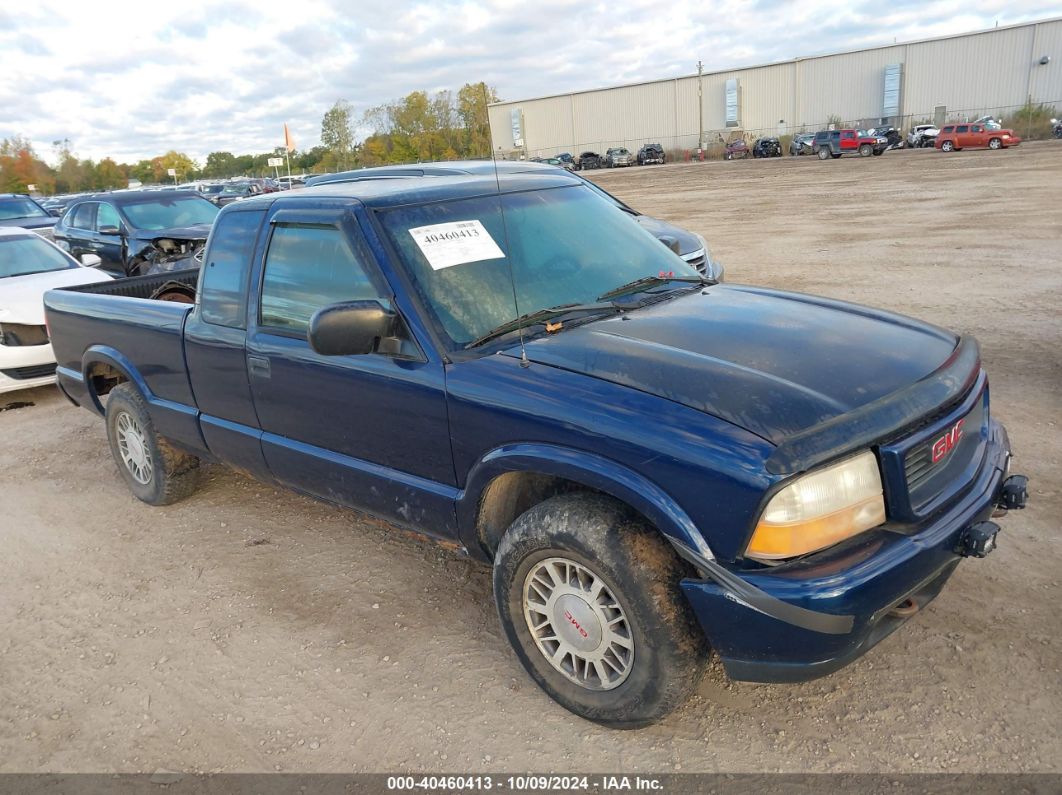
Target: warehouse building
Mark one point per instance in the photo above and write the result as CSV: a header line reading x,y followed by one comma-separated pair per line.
x,y
957,77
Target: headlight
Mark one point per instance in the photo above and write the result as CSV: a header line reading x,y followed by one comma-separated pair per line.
x,y
819,509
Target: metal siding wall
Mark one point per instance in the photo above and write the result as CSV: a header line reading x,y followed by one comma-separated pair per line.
x,y
979,72
551,124
984,71
1046,83
850,86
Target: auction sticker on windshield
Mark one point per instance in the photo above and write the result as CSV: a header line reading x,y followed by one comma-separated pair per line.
x,y
455,243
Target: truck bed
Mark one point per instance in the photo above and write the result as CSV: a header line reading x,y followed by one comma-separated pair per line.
x,y
123,326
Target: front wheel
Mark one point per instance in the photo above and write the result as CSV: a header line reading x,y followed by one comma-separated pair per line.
x,y
995,143
588,595
156,472
866,150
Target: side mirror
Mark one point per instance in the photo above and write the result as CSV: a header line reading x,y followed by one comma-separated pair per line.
x,y
671,242
91,260
351,328
109,230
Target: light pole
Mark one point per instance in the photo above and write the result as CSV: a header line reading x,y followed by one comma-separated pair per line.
x,y
700,109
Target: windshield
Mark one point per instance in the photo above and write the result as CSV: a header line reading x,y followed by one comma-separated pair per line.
x,y
213,188
17,207
21,255
165,213
238,189
568,246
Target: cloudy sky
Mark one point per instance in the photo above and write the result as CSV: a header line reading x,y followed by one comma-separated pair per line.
x,y
134,79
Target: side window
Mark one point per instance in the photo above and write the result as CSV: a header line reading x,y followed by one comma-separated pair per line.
x,y
83,216
962,128
949,129
106,215
223,283
849,134
309,267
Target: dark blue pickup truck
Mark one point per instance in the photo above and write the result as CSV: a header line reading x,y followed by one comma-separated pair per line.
x,y
656,465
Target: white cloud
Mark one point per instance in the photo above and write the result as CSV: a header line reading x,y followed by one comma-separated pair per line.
x,y
134,79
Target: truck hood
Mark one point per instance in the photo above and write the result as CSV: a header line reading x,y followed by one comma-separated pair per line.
x,y
771,362
197,232
22,297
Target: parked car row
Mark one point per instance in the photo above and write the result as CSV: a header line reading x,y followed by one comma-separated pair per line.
x,y
615,157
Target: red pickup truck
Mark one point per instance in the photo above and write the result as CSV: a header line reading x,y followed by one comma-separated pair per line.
x,y
975,136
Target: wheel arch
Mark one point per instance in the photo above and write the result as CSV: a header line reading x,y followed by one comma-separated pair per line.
x,y
510,480
103,368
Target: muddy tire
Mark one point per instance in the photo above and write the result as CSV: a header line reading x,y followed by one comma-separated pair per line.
x,y
588,595
156,472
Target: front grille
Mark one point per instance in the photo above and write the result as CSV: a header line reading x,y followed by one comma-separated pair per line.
x,y
26,373
18,334
699,260
925,477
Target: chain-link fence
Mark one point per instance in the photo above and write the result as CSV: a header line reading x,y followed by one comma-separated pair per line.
x,y
1029,121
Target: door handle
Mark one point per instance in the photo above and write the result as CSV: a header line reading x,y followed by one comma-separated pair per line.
x,y
258,365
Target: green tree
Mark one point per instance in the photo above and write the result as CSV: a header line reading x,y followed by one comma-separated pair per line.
x,y
109,175
220,164
337,134
472,102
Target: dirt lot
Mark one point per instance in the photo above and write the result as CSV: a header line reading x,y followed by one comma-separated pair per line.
x,y
253,630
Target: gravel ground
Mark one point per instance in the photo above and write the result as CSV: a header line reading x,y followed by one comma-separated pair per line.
x,y
249,629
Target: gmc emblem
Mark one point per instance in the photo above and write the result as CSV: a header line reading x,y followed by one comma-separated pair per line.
x,y
946,443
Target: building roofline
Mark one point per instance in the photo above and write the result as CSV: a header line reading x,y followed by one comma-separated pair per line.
x,y
798,59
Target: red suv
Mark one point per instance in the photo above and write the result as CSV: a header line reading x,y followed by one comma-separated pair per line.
x,y
975,135
834,143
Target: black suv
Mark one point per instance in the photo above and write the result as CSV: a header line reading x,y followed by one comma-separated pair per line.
x,y
137,232
650,153
18,209
767,147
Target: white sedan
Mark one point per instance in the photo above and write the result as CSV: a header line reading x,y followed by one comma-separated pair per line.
x,y
29,267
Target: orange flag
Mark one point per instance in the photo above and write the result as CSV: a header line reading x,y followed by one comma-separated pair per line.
x,y
289,142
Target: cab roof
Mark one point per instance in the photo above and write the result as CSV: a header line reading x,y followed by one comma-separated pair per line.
x,y
403,190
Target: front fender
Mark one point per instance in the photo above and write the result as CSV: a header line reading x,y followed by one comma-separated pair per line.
x,y
582,467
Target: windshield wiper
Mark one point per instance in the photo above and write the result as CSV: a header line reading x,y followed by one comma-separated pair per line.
x,y
646,282
543,316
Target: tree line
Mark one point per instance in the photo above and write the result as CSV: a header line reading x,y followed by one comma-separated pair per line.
x,y
419,127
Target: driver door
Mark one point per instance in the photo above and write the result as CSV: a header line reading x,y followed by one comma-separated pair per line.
x,y
369,431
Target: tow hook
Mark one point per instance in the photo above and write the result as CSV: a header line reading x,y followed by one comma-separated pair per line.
x,y
1014,493
978,540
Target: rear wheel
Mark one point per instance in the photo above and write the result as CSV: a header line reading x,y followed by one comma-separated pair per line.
x,y
995,143
589,598
157,473
947,146
824,154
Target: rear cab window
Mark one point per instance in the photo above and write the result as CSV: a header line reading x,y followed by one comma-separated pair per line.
x,y
223,279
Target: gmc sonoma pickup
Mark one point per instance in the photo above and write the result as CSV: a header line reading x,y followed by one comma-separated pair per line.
x,y
656,465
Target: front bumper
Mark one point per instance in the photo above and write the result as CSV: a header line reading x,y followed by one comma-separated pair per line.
x,y
810,618
26,366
